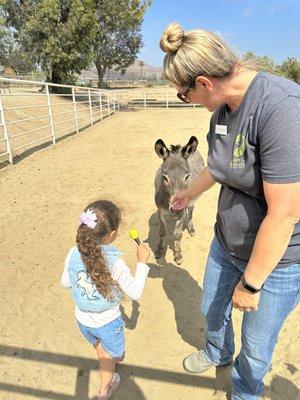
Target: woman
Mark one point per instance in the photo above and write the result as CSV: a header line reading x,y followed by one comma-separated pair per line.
x,y
254,153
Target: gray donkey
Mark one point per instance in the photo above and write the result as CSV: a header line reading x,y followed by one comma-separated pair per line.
x,y
181,165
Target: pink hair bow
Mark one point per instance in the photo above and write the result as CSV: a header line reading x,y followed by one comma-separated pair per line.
x,y
88,218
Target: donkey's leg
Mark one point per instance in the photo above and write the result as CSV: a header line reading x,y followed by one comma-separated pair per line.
x,y
162,234
177,237
191,227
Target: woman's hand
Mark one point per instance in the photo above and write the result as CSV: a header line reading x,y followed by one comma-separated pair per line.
x,y
181,200
244,300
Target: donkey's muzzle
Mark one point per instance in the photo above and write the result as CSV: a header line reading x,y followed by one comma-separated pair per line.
x,y
176,215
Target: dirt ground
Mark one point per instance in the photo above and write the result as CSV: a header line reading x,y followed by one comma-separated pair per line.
x,y
43,355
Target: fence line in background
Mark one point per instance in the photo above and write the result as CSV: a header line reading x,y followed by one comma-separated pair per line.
x,y
5,138
86,107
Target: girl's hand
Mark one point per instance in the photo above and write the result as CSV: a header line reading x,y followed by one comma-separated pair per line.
x,y
143,253
244,300
181,200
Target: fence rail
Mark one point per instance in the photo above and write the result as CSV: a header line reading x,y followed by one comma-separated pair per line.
x,y
36,113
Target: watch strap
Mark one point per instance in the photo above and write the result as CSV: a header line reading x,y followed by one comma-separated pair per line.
x,y
249,287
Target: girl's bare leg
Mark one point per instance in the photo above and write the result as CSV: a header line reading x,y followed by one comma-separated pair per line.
x,y
108,365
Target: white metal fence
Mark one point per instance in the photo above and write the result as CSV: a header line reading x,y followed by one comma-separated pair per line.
x,y
34,114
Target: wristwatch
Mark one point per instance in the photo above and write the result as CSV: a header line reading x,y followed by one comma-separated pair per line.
x,y
249,287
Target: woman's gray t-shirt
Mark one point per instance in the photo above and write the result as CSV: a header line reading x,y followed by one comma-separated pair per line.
x,y
258,141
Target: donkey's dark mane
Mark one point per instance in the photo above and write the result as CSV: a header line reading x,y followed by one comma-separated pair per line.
x,y
175,148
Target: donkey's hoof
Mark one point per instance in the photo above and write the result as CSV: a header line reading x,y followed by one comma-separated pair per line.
x,y
178,259
159,254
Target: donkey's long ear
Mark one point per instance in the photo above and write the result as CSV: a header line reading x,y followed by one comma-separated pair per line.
x,y
189,148
161,149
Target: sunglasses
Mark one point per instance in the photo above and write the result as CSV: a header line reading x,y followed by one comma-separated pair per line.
x,y
183,96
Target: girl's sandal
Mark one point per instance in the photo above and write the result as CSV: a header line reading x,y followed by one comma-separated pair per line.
x,y
115,382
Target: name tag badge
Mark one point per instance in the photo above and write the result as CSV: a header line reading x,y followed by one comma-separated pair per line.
x,y
221,130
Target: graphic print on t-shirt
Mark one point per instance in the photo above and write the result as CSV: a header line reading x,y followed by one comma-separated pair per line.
x,y
90,289
239,148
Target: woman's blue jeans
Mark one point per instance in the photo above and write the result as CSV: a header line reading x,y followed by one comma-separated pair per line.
x,y
260,329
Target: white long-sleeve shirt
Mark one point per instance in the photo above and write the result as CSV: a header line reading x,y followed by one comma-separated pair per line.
x,y
132,286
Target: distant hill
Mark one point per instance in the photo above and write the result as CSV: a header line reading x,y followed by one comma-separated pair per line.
x,y
133,73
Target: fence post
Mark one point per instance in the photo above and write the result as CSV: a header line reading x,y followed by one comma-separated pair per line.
x,y
108,105
90,107
3,123
118,101
100,104
145,99
75,109
167,103
50,113
114,102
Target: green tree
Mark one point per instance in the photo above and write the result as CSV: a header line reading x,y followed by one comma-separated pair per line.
x,y
263,62
6,42
118,38
13,12
11,52
141,64
65,36
290,68
60,34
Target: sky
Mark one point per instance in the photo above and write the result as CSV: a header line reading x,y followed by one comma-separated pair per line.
x,y
265,27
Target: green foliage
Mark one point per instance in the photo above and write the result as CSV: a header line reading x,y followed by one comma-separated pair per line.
x,y
262,62
118,38
6,43
12,54
141,64
290,68
66,36
13,12
59,33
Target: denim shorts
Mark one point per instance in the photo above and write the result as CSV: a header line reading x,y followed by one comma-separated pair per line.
x,y
111,336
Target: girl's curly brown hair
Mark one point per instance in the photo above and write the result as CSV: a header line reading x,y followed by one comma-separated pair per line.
x,y
88,243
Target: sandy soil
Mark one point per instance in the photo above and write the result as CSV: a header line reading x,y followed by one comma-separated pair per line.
x,y
42,354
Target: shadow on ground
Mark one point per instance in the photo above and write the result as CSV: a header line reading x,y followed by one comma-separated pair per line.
x,y
128,390
181,289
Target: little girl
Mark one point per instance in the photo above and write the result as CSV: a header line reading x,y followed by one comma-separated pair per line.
x,y
98,276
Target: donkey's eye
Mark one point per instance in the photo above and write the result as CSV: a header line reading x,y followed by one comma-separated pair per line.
x,y
165,178
186,177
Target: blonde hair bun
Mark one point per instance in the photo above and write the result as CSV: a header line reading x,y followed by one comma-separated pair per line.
x,y
172,38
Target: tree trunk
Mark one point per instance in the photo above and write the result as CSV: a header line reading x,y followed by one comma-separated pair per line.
x,y
56,78
101,69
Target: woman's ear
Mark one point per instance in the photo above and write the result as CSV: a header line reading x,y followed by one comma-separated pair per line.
x,y
204,81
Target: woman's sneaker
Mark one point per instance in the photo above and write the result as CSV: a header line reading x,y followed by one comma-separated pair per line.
x,y
197,362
